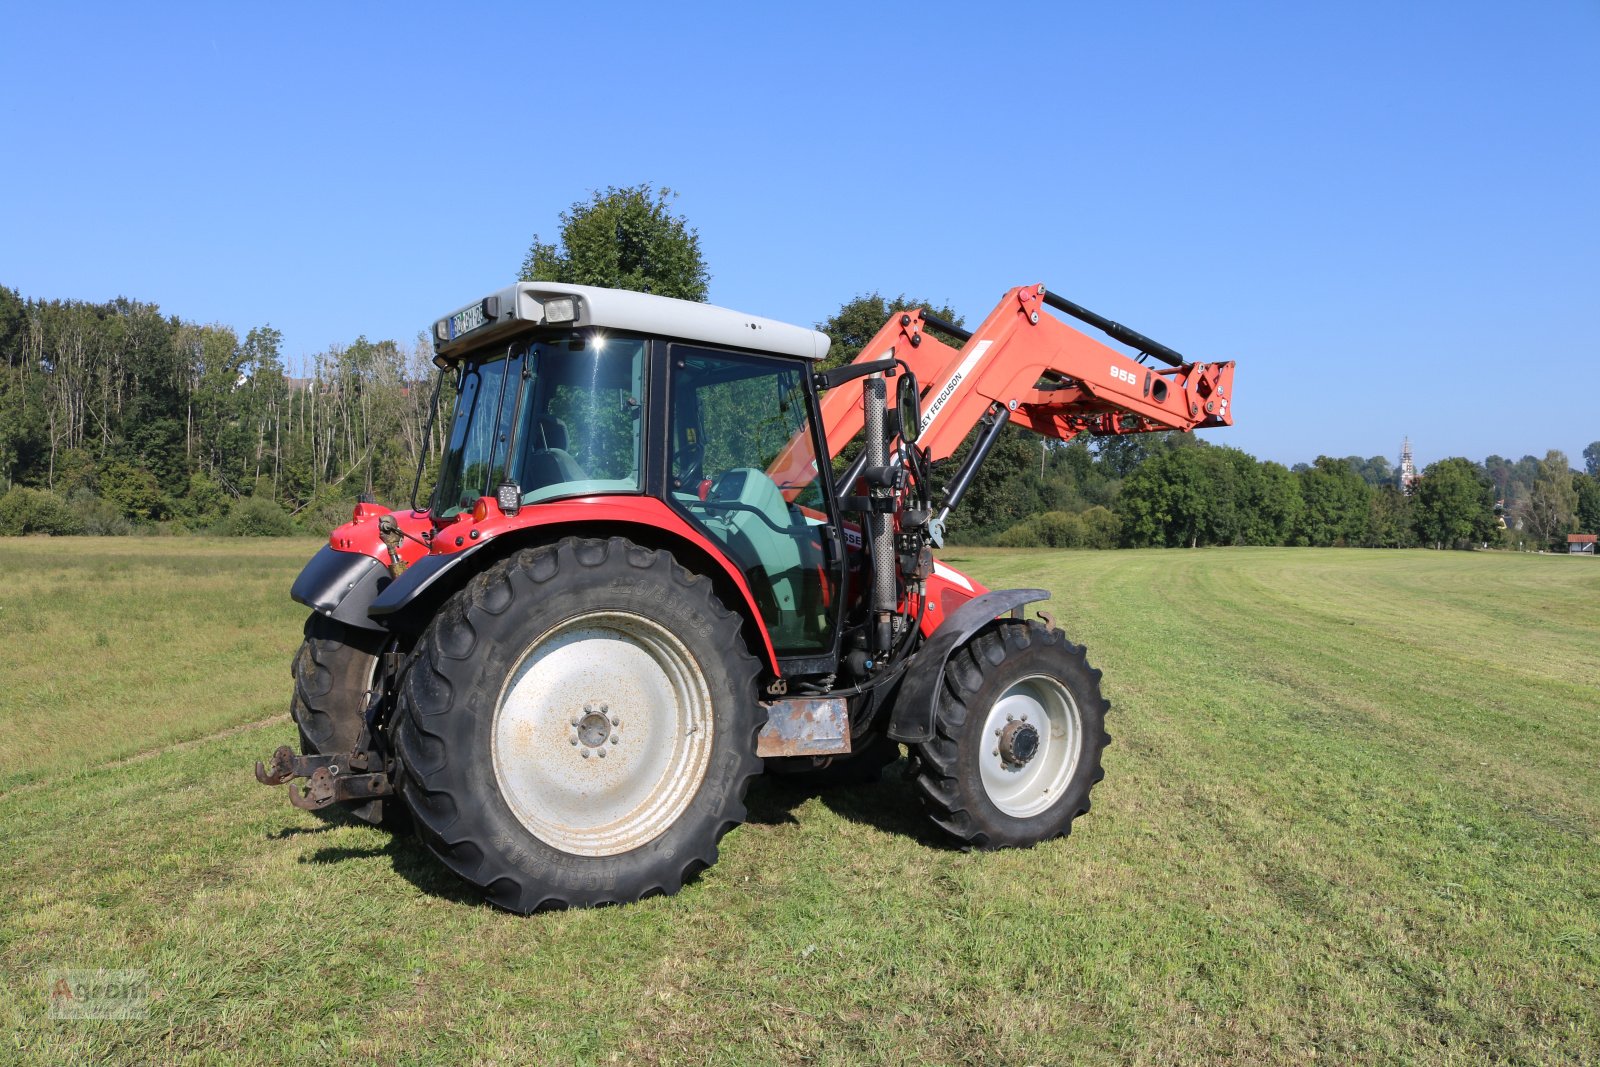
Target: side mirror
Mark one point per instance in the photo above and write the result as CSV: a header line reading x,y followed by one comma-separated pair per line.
x,y
908,405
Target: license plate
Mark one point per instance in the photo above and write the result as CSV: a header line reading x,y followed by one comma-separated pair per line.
x,y
467,321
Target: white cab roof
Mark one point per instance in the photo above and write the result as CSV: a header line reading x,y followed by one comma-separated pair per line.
x,y
523,305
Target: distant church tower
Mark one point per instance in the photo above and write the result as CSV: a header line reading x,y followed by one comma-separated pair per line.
x,y
1408,469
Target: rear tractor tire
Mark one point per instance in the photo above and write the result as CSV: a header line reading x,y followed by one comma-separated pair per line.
x,y
578,727
334,672
1019,730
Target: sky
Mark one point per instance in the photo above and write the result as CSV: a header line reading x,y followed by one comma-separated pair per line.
x,y
1388,214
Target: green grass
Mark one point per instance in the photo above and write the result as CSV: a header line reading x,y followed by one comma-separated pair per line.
x,y
1351,814
120,646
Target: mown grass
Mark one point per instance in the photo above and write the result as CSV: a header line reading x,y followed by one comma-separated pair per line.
x,y
119,645
1352,814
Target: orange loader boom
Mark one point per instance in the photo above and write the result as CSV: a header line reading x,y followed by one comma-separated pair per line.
x,y
1047,375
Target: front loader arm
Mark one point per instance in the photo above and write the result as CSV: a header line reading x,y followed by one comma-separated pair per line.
x,y
1050,377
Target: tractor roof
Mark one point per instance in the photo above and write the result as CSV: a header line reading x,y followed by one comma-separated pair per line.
x,y
559,304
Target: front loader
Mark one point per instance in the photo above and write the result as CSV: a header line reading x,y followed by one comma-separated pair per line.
x,y
647,573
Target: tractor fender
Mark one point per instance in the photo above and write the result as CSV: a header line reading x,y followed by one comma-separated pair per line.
x,y
346,575
417,579
341,585
917,700
648,522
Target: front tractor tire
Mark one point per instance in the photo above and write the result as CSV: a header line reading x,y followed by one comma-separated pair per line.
x,y
1019,730
578,727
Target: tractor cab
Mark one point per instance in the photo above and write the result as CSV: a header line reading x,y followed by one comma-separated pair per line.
x,y
566,393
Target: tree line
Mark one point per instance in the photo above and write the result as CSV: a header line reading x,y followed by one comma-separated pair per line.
x,y
118,417
1200,495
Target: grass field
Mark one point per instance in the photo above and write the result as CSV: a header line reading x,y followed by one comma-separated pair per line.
x,y
1351,815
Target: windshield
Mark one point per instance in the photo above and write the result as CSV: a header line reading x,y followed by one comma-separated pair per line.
x,y
559,416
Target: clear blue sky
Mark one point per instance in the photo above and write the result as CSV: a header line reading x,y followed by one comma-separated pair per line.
x,y
1386,213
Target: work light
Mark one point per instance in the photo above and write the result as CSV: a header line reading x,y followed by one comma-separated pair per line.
x,y
561,309
508,495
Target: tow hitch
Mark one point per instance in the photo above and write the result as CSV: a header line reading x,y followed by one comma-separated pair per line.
x,y
362,776
330,779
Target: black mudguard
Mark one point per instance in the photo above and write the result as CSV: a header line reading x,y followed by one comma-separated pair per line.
x,y
341,585
357,590
415,582
917,700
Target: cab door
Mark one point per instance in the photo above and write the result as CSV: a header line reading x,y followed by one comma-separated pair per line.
x,y
744,467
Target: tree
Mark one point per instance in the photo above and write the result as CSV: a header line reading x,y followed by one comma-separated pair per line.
x,y
115,407
1390,523
1337,504
1591,459
1122,454
623,238
1588,490
1375,471
131,489
1276,506
1454,503
1189,497
1160,503
1553,504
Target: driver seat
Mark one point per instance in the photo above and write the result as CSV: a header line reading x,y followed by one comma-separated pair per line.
x,y
548,461
753,542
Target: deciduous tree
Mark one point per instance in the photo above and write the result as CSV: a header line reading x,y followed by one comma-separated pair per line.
x,y
623,238
1454,504
1336,502
1187,498
1588,490
1390,523
1553,503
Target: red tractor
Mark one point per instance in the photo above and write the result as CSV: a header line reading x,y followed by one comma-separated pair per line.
x,y
647,572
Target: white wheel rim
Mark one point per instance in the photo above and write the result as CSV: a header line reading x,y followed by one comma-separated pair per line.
x,y
602,734
1024,789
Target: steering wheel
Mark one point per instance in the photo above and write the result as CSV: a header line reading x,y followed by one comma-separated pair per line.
x,y
689,461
